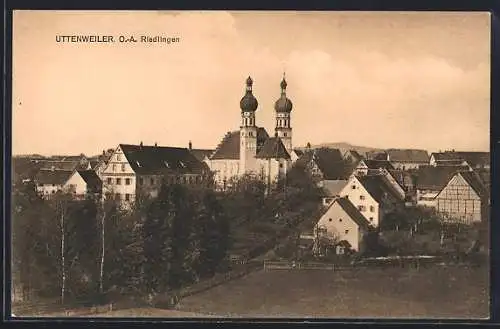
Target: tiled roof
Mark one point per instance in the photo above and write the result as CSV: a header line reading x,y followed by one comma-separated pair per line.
x,y
56,177
159,160
475,183
25,168
273,148
484,176
299,152
60,164
353,212
201,154
435,178
354,154
378,187
229,147
456,158
408,155
329,161
333,187
476,158
93,182
378,164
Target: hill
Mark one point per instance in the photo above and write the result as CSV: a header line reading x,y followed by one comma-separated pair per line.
x,y
344,146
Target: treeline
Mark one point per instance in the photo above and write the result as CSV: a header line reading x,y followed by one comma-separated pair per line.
x,y
84,249
88,248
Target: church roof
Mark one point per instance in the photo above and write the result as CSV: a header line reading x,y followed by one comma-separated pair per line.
x,y
159,160
229,147
273,148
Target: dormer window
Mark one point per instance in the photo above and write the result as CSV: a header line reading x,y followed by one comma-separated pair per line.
x,y
182,164
166,164
137,163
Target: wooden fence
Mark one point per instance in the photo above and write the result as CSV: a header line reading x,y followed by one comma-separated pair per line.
x,y
285,265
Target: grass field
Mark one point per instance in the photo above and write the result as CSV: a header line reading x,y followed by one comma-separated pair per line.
x,y
375,293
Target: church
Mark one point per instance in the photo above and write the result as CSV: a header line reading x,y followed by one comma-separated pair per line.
x,y
250,150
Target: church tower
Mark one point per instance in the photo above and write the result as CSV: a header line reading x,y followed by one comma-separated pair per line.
x,y
283,107
248,130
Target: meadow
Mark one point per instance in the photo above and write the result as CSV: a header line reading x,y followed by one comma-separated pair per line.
x,y
436,292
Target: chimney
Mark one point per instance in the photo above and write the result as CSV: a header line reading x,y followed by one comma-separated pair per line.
x,y
140,144
156,144
190,145
276,134
103,152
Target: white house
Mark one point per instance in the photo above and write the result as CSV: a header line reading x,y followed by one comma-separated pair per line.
x,y
135,169
250,150
345,222
372,195
406,159
78,182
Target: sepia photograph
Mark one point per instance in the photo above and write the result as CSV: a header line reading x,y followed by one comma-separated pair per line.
x,y
250,164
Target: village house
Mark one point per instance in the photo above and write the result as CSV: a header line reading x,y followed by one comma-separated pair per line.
x,y
372,195
80,183
135,170
463,199
325,164
344,222
476,160
352,156
407,159
383,168
98,163
250,150
430,180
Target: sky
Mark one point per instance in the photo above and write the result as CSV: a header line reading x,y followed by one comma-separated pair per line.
x,y
378,79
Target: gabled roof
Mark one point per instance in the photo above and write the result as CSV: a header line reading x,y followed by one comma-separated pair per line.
x,y
229,147
56,177
333,187
475,183
160,160
352,211
401,176
475,159
354,154
378,186
378,164
299,152
484,176
200,154
408,155
273,148
93,182
59,164
457,158
329,161
435,178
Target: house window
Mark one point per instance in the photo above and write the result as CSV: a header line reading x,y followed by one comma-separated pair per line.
x,y
117,196
152,181
127,181
329,219
118,157
141,181
371,219
353,187
127,197
109,180
118,181
53,185
113,167
346,231
123,167
372,208
340,220
361,208
284,134
361,197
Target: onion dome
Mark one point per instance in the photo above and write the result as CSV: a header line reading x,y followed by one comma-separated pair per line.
x,y
249,103
283,104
